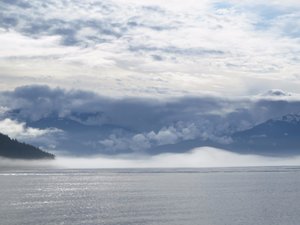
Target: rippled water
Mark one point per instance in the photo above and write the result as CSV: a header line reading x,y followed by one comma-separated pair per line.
x,y
240,196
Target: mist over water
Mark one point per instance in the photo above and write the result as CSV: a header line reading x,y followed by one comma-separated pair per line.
x,y
199,157
196,158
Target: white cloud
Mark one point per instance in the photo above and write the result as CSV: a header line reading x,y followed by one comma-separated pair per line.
x,y
20,131
181,131
16,45
162,48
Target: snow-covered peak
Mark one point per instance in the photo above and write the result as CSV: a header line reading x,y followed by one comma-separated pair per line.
x,y
276,93
290,118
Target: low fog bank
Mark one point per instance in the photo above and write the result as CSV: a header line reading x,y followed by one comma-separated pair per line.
x,y
199,157
6,163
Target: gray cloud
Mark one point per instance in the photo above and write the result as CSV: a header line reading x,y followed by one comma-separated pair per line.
x,y
35,19
39,19
140,123
276,92
177,51
18,3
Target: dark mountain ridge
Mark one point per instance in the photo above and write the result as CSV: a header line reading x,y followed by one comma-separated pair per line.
x,y
11,148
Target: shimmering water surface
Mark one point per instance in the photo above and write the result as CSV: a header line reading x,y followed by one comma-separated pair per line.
x,y
239,196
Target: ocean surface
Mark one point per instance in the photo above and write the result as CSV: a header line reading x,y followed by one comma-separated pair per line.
x,y
223,196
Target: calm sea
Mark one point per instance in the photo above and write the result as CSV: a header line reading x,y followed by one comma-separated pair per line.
x,y
231,196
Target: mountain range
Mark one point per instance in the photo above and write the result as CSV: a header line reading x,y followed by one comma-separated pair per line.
x,y
281,136
277,136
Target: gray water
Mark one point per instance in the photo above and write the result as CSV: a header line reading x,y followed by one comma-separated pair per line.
x,y
240,196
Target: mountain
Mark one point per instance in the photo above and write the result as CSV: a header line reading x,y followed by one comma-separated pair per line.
x,y
80,138
94,133
11,148
275,136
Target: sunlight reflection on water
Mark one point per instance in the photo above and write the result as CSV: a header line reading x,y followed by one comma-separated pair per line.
x,y
258,195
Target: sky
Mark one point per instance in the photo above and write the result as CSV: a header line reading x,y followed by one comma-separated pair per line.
x,y
151,48
147,73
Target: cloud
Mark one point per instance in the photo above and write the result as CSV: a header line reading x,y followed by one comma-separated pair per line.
x,y
176,51
151,47
276,93
129,124
18,130
172,134
153,72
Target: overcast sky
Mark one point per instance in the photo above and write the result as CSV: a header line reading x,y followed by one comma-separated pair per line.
x,y
151,47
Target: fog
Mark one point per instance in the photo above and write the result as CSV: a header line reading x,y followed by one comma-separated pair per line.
x,y
6,163
199,157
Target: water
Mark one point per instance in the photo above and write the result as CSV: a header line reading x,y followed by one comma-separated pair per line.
x,y
247,196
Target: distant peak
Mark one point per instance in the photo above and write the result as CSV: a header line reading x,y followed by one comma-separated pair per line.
x,y
276,93
290,118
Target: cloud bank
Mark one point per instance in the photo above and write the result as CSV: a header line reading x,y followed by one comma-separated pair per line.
x,y
151,48
114,125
